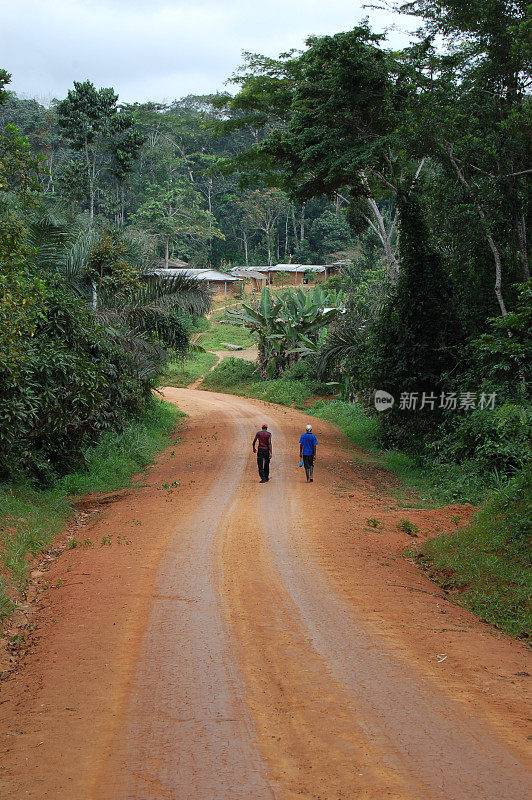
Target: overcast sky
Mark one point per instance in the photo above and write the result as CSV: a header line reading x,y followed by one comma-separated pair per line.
x,y
160,49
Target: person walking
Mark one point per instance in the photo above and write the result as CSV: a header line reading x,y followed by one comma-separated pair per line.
x,y
264,452
307,452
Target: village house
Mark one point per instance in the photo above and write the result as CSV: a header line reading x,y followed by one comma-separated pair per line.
x,y
221,283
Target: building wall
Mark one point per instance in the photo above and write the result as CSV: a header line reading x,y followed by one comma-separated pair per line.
x,y
219,288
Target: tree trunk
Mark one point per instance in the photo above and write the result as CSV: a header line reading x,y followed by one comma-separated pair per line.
x,y
378,225
302,224
294,225
521,238
166,255
491,242
94,295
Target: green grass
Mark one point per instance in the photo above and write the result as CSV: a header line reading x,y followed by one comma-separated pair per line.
x,y
201,325
487,563
221,332
236,376
355,424
30,518
186,371
438,484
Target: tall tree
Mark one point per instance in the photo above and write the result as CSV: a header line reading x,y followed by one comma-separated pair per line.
x,y
95,127
261,210
472,113
172,213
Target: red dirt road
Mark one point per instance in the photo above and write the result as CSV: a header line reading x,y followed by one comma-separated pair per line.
x,y
226,640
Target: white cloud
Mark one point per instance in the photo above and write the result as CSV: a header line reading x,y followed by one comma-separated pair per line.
x,y
158,51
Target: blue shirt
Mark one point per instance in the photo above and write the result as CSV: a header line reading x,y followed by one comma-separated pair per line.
x,y
309,441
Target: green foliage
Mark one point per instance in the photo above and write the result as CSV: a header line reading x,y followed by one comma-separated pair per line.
x,y
328,234
109,464
287,325
495,441
506,352
416,337
72,385
21,293
408,527
236,376
487,563
173,214
351,419
103,133
283,391
229,374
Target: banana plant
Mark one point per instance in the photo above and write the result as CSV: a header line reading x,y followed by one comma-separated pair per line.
x,y
287,326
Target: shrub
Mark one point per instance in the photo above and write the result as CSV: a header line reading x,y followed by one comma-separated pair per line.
x,y
229,373
498,440
302,370
73,384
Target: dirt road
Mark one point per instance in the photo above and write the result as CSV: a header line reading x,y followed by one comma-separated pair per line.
x,y
226,640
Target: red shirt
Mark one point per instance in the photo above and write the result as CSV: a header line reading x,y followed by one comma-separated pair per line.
x,y
264,439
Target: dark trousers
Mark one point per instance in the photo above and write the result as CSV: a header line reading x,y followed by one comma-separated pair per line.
x,y
263,463
308,463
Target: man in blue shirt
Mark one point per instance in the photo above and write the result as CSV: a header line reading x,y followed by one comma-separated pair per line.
x,y
307,451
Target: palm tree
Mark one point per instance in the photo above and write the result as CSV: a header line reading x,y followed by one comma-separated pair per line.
x,y
113,274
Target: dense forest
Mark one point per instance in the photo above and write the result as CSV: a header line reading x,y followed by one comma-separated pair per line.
x,y
166,173
410,166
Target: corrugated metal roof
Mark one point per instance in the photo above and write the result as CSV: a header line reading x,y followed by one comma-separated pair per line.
x,y
199,274
297,268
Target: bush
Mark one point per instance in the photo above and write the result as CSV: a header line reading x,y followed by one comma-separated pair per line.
x,y
229,373
31,517
498,440
302,370
73,384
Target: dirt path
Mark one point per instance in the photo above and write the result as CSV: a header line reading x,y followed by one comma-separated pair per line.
x,y
225,640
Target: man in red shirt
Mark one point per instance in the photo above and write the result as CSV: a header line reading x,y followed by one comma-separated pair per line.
x,y
264,452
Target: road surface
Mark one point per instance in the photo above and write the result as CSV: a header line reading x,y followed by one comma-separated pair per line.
x,y
219,639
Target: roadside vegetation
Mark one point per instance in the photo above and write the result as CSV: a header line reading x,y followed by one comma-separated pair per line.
x,y
486,565
30,516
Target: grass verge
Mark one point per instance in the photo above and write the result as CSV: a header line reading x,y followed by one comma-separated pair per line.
x,y
237,376
487,564
186,371
214,338
30,518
